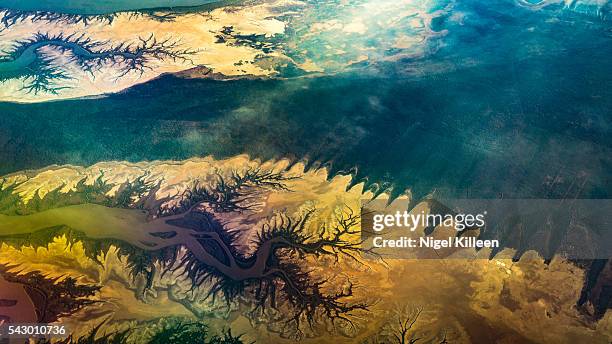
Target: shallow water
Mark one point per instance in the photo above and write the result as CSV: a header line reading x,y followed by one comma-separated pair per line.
x,y
96,7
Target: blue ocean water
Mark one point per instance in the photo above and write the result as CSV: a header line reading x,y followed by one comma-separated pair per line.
x,y
514,102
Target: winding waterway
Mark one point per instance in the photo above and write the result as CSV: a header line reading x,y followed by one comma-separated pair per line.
x,y
30,54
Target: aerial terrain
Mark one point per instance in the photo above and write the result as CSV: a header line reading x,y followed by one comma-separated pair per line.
x,y
197,171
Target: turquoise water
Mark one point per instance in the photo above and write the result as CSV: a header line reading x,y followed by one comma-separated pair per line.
x,y
515,103
26,58
95,6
